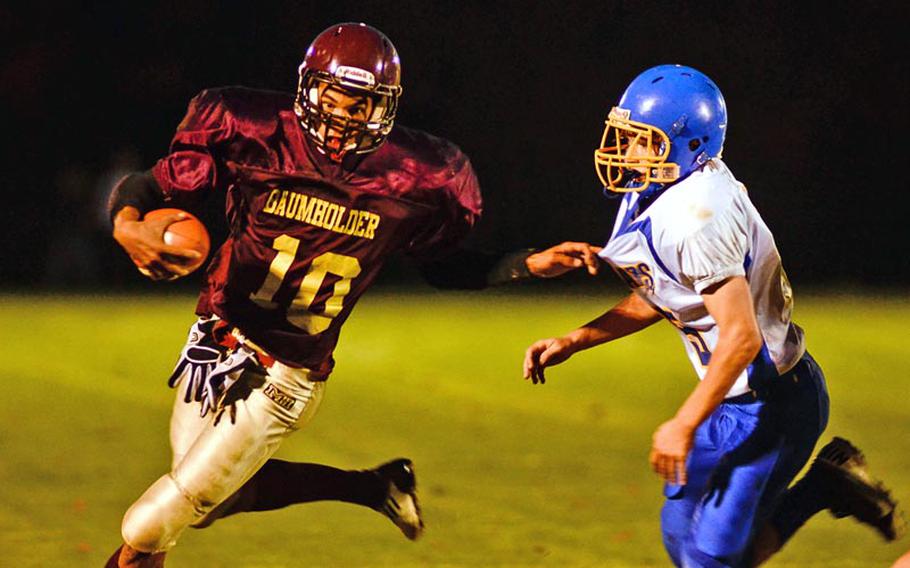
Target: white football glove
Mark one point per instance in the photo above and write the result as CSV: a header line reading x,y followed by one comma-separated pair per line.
x,y
224,375
198,359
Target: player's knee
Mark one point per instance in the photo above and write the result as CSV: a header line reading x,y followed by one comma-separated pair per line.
x,y
141,530
155,521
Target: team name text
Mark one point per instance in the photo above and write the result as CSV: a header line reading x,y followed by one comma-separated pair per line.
x,y
322,213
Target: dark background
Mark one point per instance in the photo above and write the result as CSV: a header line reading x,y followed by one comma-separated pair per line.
x,y
817,98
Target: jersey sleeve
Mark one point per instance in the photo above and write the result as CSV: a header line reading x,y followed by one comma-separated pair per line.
x,y
191,169
717,250
458,207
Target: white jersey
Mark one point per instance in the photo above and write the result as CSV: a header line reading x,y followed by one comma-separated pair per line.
x,y
701,231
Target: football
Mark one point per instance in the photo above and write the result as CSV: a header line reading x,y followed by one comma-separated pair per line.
x,y
188,233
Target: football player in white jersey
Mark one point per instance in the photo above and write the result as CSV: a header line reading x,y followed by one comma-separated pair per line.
x,y
695,252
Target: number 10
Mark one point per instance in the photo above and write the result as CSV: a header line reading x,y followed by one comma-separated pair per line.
x,y
299,314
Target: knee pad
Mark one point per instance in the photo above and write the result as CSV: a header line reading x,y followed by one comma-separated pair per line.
x,y
155,521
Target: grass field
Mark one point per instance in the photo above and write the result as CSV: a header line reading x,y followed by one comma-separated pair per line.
x,y
510,473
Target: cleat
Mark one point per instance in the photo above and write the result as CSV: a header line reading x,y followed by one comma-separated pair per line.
x,y
841,469
400,503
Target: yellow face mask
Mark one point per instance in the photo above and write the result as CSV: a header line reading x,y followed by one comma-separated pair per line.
x,y
633,155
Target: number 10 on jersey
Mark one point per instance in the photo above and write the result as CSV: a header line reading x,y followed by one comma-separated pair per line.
x,y
299,313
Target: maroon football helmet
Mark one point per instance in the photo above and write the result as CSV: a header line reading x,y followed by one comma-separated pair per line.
x,y
358,61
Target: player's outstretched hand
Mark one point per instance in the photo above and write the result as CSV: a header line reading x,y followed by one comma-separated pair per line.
x,y
144,242
562,258
545,353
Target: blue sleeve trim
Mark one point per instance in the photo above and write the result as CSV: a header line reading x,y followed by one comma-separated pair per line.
x,y
644,227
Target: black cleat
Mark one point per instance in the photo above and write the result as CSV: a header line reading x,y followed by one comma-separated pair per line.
x,y
841,469
400,503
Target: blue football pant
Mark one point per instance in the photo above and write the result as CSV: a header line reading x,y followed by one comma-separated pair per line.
x,y
744,457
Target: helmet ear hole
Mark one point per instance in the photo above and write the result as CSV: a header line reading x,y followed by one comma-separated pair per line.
x,y
694,144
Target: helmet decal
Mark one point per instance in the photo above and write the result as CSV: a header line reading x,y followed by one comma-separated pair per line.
x,y
359,62
347,74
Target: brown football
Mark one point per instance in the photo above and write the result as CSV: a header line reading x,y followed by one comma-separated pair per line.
x,y
188,233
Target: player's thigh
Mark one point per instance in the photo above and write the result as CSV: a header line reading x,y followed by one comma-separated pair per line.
x,y
803,415
750,448
768,445
186,425
681,501
812,394
762,446
262,411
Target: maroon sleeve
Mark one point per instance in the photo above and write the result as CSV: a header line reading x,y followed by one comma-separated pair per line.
x,y
458,208
190,170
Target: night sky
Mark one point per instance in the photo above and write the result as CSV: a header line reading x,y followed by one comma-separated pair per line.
x,y
817,104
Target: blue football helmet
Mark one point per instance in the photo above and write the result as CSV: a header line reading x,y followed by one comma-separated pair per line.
x,y
678,117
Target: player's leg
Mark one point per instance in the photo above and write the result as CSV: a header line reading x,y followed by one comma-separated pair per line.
x,y
681,500
709,485
768,538
263,409
838,480
389,488
765,444
722,520
128,557
186,426
796,449
279,483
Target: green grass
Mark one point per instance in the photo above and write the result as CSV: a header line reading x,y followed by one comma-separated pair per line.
x,y
510,473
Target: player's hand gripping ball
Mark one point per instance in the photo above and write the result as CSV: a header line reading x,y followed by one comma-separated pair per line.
x,y
187,233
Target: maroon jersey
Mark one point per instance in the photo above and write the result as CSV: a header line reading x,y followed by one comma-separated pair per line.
x,y
307,236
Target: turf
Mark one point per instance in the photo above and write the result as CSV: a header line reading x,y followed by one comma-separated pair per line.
x,y
510,473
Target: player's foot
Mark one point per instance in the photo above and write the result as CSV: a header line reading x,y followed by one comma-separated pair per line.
x,y
400,502
841,469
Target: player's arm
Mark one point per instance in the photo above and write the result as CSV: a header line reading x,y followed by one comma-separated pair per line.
x,y
143,241
628,316
739,341
444,263
562,258
182,179
468,269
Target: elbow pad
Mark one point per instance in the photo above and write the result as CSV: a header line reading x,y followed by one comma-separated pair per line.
x,y
139,190
475,270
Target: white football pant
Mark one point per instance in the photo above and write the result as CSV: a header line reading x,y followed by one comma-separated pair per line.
x,y
213,458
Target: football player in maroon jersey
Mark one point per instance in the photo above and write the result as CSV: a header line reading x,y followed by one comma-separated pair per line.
x,y
320,191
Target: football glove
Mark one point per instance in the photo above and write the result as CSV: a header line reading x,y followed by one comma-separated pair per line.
x,y
198,359
224,375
